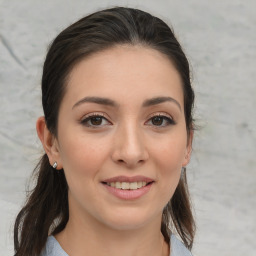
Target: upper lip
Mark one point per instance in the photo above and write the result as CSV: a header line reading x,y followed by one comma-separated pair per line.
x,y
128,179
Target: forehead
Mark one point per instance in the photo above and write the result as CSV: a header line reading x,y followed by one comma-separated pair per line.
x,y
125,72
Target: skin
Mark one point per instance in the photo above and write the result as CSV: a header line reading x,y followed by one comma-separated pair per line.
x,y
127,141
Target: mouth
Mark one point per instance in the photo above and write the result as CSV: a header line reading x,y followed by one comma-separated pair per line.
x,y
128,185
128,188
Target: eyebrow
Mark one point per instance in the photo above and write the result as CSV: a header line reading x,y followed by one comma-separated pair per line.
x,y
109,102
97,100
159,100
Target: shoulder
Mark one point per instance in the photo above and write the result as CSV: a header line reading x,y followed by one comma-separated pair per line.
x,y
53,248
178,248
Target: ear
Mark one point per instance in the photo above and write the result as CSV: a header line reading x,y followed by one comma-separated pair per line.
x,y
49,142
188,148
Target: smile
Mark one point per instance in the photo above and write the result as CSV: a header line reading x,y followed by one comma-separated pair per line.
x,y
128,185
128,188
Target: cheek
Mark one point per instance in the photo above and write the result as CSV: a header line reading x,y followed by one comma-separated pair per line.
x,y
82,156
82,161
169,157
171,152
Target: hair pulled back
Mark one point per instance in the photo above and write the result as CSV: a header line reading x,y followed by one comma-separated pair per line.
x,y
46,209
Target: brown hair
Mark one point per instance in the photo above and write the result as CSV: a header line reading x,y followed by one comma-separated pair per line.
x,y
46,209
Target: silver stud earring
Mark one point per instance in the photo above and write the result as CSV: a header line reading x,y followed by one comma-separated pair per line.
x,y
54,165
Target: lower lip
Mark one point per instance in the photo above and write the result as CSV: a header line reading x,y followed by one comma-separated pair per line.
x,y
127,194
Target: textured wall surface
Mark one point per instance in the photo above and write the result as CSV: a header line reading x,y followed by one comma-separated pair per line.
x,y
219,38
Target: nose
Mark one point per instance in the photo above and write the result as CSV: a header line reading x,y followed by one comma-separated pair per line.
x,y
129,148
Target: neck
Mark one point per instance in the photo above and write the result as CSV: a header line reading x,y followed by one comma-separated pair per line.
x,y
82,237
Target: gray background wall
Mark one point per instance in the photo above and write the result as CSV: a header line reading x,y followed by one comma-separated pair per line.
x,y
219,38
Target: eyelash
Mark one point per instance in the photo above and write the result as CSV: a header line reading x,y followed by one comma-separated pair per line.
x,y
169,120
89,117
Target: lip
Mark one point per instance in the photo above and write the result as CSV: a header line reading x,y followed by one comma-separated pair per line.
x,y
127,194
137,178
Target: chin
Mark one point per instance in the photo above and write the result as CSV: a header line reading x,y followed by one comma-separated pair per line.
x,y
130,219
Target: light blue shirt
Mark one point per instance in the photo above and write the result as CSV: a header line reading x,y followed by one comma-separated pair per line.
x,y
53,248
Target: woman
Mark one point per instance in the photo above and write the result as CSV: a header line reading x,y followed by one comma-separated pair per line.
x,y
117,133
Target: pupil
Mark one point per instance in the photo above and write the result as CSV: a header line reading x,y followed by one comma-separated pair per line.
x,y
158,120
97,120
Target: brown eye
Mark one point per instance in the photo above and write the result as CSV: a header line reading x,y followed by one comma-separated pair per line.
x,y
157,120
160,121
96,120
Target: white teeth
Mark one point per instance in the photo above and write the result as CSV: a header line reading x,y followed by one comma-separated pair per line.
x,y
117,184
128,185
125,185
134,185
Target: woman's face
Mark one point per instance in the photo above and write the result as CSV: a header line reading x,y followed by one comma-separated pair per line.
x,y
122,137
